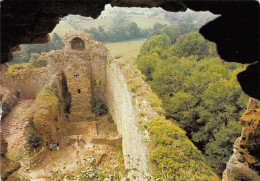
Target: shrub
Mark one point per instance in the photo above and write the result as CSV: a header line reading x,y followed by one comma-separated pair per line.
x,y
13,70
99,108
34,139
5,108
38,60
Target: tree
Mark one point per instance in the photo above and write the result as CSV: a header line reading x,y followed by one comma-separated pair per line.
x,y
203,96
192,44
34,139
147,64
26,50
157,43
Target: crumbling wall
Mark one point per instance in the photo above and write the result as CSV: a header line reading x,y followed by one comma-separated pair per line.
x,y
98,67
125,114
84,69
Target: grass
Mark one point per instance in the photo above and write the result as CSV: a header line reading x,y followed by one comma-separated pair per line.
x,y
148,22
62,28
129,50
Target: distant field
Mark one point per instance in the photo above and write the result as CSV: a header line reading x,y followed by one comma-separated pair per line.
x,y
127,49
62,28
146,22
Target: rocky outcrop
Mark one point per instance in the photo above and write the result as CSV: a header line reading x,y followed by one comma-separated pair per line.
x,y
244,164
7,166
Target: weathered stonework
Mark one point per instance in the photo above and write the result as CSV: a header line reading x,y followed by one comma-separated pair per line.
x,y
244,164
84,68
124,109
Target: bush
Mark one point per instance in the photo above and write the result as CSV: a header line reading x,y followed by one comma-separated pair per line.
x,y
5,108
38,60
99,108
34,139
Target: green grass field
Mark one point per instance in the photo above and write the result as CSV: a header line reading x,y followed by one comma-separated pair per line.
x,y
127,49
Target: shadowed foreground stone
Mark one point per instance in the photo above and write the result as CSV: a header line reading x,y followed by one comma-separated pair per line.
x,y
7,166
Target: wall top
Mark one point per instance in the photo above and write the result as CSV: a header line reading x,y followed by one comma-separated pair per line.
x,y
71,36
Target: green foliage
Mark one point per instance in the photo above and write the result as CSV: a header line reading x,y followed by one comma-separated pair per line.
x,y
201,101
34,139
203,96
24,54
99,108
38,60
122,30
5,108
192,44
13,70
173,156
156,44
175,31
147,64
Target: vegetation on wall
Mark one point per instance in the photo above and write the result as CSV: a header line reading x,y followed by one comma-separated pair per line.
x,y
34,139
199,90
99,108
46,111
173,156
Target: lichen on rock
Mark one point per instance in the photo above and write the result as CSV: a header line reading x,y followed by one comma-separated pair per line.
x,y
244,164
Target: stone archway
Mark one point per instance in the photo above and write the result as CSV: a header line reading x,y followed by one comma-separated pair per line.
x,y
77,43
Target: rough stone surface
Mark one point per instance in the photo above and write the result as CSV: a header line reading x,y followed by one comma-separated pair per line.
x,y
244,164
80,77
125,115
7,166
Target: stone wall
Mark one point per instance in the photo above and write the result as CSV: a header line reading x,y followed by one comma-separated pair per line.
x,y
124,108
26,82
90,76
84,69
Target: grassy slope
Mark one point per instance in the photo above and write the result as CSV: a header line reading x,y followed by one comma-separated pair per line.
x,y
127,49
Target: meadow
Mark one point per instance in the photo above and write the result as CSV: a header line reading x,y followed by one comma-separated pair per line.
x,y
129,50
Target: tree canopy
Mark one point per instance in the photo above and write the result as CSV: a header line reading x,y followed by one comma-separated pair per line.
x,y
26,51
198,89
